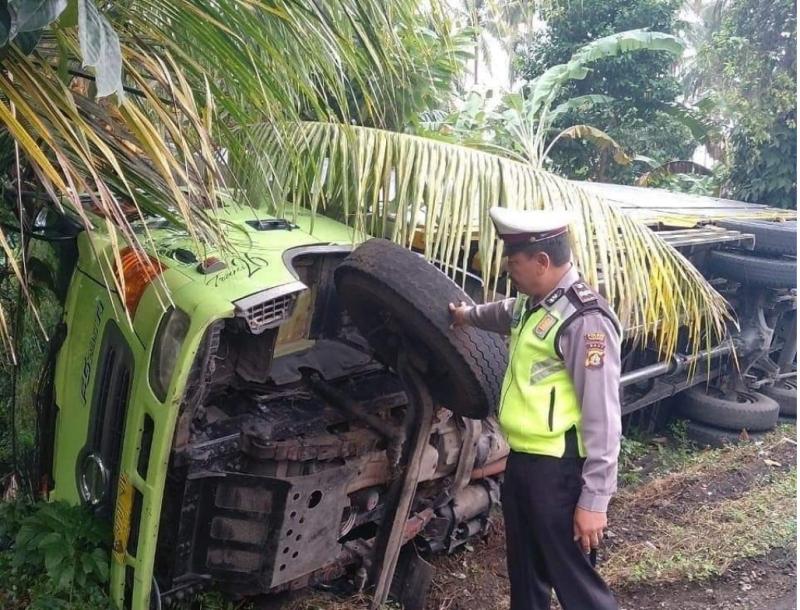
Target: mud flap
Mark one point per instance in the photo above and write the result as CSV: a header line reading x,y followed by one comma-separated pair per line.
x,y
412,579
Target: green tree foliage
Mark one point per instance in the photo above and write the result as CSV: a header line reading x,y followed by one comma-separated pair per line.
x,y
749,70
523,125
642,85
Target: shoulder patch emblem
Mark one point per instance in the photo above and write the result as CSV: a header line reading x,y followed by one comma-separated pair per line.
x,y
544,325
583,292
595,350
557,294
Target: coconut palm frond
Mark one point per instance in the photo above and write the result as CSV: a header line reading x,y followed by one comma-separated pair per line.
x,y
130,106
437,195
283,59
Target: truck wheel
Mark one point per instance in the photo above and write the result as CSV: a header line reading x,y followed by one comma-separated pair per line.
x,y
396,297
704,435
755,270
784,392
771,237
751,410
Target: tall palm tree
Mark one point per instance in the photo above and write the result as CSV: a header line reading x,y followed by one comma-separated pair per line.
x,y
702,20
153,107
500,20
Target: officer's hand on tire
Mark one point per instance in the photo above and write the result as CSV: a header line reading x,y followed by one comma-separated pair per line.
x,y
458,314
588,528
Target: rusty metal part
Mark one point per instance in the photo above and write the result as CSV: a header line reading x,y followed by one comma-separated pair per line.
x,y
469,450
416,523
391,534
323,447
341,401
352,553
375,469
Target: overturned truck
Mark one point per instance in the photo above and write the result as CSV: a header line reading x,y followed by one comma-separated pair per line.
x,y
299,411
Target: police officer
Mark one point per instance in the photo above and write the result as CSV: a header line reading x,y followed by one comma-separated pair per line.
x,y
559,410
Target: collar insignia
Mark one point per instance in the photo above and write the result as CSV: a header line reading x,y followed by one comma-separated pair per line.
x,y
554,296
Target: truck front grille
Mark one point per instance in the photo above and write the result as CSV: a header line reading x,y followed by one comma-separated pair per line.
x,y
269,308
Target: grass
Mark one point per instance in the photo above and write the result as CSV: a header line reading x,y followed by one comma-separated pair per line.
x,y
631,451
214,600
643,457
699,538
711,538
668,459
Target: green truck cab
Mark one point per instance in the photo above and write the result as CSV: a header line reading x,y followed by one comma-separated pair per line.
x,y
183,413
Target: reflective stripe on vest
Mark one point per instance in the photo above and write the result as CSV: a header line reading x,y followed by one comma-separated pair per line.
x,y
538,404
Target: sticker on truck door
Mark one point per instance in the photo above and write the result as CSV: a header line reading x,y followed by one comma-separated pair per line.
x,y
122,518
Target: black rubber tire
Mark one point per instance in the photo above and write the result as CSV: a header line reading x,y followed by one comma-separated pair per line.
x,y
394,295
784,392
755,270
771,237
709,436
753,411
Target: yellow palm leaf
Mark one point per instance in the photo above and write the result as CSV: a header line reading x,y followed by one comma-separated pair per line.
x,y
368,176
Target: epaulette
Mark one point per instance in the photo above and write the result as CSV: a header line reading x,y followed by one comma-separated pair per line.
x,y
585,294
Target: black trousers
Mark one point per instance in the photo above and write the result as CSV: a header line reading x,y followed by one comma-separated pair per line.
x,y
539,498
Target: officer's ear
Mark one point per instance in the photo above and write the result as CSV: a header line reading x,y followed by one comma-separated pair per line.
x,y
542,259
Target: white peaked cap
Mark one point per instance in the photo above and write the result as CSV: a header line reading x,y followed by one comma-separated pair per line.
x,y
528,226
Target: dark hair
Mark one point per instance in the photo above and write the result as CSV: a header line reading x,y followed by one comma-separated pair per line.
x,y
557,248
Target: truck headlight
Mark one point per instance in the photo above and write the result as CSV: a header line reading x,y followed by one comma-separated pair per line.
x,y
166,348
93,479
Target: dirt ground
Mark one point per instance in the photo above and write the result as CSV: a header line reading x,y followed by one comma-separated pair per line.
x,y
690,530
767,582
674,576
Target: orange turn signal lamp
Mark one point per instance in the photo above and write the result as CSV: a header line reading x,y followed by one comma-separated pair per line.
x,y
137,272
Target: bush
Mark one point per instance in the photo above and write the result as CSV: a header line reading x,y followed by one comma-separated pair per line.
x,y
54,557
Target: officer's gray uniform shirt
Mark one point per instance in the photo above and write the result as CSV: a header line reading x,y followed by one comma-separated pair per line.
x,y
597,388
